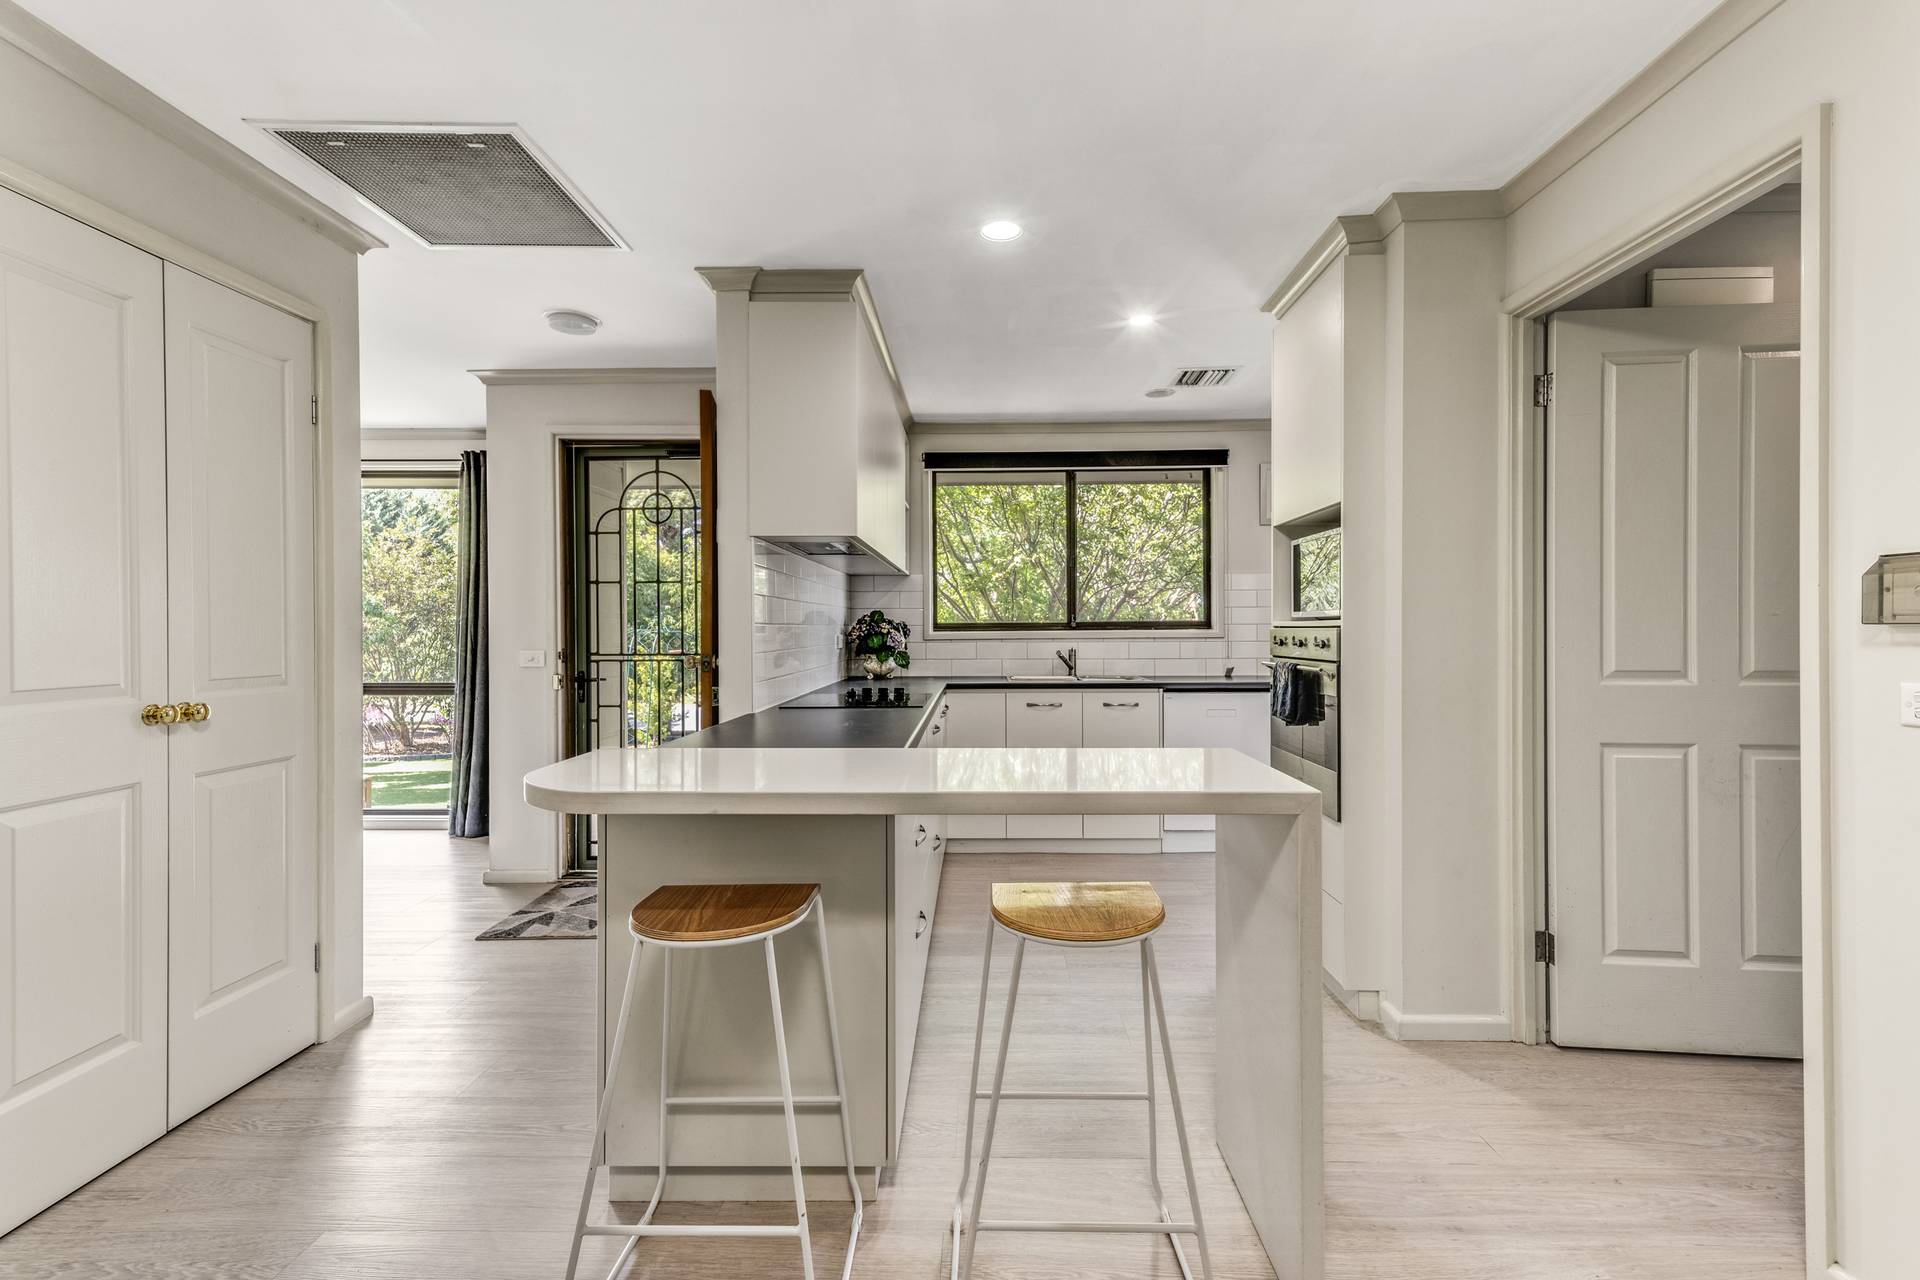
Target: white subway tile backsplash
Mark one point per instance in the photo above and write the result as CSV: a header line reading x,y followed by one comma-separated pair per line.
x,y
800,612
1180,667
976,667
1203,648
1129,667
1249,582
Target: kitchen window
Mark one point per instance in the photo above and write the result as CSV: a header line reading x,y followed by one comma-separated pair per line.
x,y
1073,542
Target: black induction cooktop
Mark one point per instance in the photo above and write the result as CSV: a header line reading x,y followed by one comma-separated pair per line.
x,y
874,696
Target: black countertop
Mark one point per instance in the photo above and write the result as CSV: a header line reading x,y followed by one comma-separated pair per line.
x,y
786,726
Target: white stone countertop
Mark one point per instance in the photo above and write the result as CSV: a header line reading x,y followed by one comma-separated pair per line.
x,y
888,780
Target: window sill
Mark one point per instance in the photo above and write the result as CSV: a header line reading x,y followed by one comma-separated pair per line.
x,y
1170,634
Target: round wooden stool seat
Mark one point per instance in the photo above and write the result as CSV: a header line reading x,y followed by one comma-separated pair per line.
x,y
1069,911
718,912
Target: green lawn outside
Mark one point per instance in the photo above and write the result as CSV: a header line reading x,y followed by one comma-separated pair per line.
x,y
409,784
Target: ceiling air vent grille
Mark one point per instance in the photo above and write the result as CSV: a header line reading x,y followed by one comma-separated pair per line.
x,y
1202,377
455,186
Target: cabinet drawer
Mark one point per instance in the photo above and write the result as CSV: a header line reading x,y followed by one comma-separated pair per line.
x,y
1120,718
976,826
935,734
1044,718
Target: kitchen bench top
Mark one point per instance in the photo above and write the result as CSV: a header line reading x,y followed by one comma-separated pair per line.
x,y
782,726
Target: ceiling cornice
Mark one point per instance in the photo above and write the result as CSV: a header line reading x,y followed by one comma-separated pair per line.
x,y
1687,55
729,279
45,45
590,377
1366,233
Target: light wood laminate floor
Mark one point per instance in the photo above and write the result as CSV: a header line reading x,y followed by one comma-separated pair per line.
x,y
444,1139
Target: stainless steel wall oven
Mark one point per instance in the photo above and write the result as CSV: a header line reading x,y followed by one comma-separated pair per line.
x,y
1311,752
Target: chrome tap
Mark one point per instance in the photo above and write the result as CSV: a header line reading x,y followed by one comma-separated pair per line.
x,y
1072,658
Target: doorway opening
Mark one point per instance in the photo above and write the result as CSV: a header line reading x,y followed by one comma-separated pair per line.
x,y
1670,420
640,611
409,569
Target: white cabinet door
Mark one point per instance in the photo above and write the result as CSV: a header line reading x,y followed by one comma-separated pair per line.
x,y
240,449
83,794
1673,673
1120,718
916,860
976,719
1044,718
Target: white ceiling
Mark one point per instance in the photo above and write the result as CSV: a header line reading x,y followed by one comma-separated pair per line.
x,y
1174,156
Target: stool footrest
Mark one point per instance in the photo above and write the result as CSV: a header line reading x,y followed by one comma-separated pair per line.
x,y
758,1100
642,1230
1141,1228
1071,1095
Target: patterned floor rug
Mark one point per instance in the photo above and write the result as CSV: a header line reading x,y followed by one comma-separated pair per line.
x,y
571,909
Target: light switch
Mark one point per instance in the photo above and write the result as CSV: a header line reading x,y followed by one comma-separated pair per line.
x,y
1910,705
533,657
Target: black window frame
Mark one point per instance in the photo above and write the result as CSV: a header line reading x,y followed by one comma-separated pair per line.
x,y
1072,465
412,474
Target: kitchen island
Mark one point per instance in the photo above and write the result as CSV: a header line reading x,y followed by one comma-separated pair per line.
x,y
845,818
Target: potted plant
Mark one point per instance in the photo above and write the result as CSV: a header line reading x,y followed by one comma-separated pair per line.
x,y
879,644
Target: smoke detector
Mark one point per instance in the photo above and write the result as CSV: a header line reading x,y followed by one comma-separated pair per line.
x,y
575,324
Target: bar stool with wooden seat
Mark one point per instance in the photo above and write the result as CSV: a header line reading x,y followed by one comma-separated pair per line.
x,y
1077,916
686,917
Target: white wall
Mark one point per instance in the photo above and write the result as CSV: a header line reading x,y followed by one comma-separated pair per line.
x,y
525,423
1243,600
1858,55
50,125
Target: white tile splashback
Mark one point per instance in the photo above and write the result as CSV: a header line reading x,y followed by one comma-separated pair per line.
x,y
800,611
1248,608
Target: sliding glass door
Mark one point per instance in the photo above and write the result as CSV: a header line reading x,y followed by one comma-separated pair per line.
x,y
409,524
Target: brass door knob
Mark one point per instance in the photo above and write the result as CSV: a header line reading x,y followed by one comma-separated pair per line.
x,y
159,713
191,712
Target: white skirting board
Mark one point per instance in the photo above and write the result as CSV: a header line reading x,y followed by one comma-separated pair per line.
x,y
1364,1005
351,1016
1443,1026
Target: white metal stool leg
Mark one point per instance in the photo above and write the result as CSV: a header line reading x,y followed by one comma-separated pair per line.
x,y
967,1223
597,1154
1179,1116
973,1097
1153,1115
840,1090
786,1098
993,1111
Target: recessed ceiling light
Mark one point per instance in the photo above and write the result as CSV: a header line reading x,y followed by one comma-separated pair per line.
x,y
1000,231
1159,393
575,324
1141,320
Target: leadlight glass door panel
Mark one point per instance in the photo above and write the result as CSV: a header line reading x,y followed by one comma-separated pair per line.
x,y
642,661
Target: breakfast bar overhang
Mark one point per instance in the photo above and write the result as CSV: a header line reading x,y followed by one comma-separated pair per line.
x,y
826,815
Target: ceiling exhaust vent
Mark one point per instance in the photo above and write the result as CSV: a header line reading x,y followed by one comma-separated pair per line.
x,y
455,186
1202,377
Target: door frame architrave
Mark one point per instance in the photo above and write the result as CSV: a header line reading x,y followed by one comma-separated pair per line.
x,y
1802,143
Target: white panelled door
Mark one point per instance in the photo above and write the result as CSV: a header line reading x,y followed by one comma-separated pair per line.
x,y
83,804
1673,669
240,449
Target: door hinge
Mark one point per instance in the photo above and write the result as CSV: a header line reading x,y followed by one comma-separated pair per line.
x,y
1542,947
1542,390
316,957
313,410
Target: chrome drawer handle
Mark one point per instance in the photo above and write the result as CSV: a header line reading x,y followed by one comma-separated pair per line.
x,y
1119,704
936,729
923,925
1045,704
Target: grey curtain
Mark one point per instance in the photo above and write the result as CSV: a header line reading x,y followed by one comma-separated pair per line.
x,y
467,810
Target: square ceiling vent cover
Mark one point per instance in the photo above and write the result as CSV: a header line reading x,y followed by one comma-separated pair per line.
x,y
455,186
